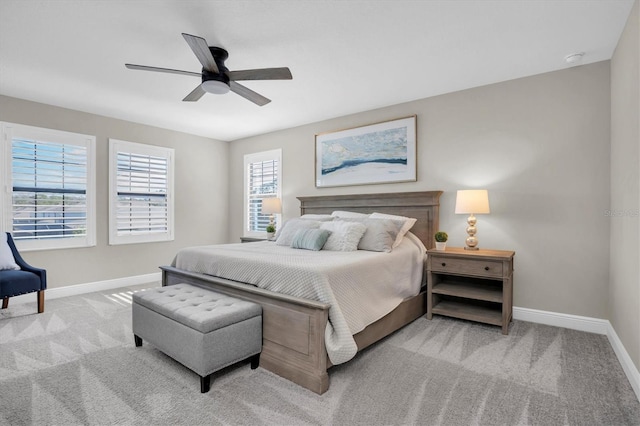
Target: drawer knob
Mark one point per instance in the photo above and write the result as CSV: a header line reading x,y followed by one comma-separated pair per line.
x,y
444,264
486,268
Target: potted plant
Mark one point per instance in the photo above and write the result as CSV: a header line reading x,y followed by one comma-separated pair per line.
x,y
441,240
271,231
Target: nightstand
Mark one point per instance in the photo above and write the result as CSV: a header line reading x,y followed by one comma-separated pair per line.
x,y
475,285
251,239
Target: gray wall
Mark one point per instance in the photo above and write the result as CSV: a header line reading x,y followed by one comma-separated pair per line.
x,y
540,145
624,290
201,192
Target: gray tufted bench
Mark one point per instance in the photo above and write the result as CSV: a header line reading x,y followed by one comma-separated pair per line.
x,y
203,330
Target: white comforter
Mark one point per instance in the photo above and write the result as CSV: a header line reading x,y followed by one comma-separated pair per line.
x,y
361,286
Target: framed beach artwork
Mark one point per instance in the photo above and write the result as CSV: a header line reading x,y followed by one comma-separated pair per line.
x,y
378,153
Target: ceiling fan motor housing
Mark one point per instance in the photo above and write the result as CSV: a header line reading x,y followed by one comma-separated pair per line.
x,y
219,55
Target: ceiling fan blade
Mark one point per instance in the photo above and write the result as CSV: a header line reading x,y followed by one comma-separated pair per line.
x,y
248,94
202,52
195,94
261,74
167,70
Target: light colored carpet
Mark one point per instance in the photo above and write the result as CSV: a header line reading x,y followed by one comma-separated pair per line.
x,y
77,364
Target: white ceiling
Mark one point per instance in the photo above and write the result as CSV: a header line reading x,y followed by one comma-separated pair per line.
x,y
345,56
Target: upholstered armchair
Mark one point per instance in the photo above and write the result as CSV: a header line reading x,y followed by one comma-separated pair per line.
x,y
26,279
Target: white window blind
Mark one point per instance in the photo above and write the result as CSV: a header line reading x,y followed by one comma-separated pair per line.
x,y
49,190
262,172
142,194
140,205
51,197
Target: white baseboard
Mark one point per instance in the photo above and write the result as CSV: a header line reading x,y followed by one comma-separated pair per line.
x,y
625,360
588,324
574,322
74,290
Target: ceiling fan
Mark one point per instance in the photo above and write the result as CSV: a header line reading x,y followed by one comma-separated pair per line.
x,y
216,77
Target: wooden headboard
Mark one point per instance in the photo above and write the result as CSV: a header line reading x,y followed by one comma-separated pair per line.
x,y
424,206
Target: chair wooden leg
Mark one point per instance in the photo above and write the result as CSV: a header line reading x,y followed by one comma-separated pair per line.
x,y
5,303
40,301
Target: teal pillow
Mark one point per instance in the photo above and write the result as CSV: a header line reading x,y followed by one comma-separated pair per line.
x,y
310,239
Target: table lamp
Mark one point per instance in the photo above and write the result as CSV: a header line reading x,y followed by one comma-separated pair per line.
x,y
271,206
472,201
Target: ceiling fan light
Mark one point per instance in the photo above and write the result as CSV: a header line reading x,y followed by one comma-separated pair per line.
x,y
216,87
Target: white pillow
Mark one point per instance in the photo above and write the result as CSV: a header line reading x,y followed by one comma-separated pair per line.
x,y
340,213
285,235
345,236
6,256
408,224
380,234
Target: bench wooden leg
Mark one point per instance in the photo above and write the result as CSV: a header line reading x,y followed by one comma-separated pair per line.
x,y
137,340
40,301
255,361
5,303
205,383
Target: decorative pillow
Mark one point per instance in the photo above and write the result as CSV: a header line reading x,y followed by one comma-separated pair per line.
x,y
320,217
6,256
344,235
408,224
340,213
310,239
285,234
380,234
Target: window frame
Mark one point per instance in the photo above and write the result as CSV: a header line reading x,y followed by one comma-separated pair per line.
x,y
12,131
256,157
117,145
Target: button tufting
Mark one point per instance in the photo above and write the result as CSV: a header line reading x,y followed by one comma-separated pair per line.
x,y
197,308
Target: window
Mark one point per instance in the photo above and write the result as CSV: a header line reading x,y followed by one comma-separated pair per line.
x,y
263,173
49,176
140,193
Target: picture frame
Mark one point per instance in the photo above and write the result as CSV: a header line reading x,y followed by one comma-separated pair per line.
x,y
377,153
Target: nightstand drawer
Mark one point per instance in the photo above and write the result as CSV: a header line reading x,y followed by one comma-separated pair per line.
x,y
480,268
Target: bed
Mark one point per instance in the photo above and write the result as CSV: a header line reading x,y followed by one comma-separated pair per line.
x,y
294,327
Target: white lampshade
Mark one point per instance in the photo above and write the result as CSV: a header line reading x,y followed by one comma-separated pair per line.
x,y
271,205
474,201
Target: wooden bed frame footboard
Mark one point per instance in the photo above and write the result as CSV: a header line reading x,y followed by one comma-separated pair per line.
x,y
293,328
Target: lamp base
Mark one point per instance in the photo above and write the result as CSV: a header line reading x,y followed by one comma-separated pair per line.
x,y
471,241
